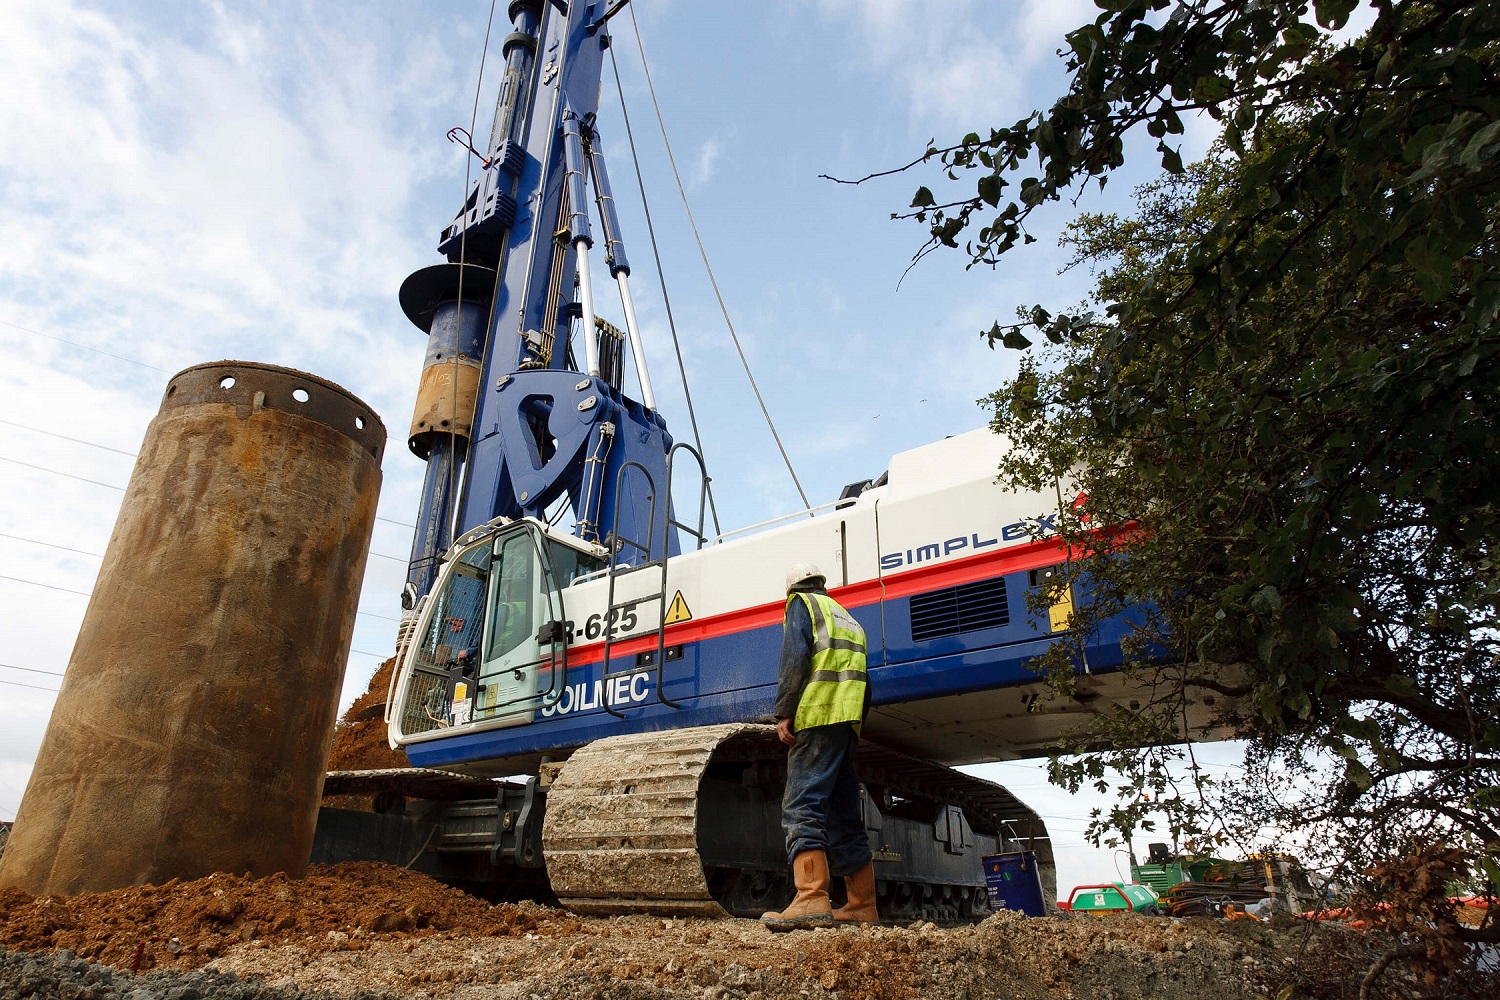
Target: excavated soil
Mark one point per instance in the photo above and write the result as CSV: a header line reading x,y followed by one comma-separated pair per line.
x,y
370,930
365,931
359,738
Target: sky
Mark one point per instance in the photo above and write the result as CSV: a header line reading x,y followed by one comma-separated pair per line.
x,y
187,182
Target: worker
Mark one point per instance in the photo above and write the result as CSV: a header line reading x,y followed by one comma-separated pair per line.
x,y
821,698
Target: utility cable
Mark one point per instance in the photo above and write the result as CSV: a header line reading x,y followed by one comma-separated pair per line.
x,y
34,583
69,475
51,545
91,444
86,347
128,454
97,555
65,475
34,687
31,670
661,278
85,593
682,190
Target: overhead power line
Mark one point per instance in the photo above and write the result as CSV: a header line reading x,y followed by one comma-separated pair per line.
x,y
65,475
50,545
91,444
85,593
34,687
30,670
86,347
96,555
35,583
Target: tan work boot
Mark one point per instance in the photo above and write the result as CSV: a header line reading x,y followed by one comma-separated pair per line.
x,y
860,889
811,907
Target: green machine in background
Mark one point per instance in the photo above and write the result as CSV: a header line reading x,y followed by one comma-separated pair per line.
x,y
1188,884
1163,869
1115,897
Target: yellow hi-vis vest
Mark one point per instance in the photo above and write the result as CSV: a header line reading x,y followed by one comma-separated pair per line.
x,y
835,690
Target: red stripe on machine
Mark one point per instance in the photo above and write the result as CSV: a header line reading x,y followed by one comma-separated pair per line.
x,y
949,573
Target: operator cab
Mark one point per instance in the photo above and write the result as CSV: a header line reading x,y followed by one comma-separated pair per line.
x,y
488,649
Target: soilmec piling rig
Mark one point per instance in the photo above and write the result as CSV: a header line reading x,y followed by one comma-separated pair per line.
x,y
625,667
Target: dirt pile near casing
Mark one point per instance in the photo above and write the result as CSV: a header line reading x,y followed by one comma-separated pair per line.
x,y
362,928
359,739
184,924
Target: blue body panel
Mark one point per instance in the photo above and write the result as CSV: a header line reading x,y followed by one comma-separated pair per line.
x,y
732,678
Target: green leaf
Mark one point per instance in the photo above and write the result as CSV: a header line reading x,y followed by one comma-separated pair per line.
x,y
1171,159
1432,271
1266,600
1482,146
1401,686
1015,341
923,198
1358,775
989,189
1332,14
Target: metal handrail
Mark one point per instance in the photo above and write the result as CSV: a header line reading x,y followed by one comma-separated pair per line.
x,y
813,511
620,542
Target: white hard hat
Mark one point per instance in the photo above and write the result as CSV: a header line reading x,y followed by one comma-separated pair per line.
x,y
802,572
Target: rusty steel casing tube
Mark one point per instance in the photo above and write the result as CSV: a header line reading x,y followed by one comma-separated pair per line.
x,y
193,727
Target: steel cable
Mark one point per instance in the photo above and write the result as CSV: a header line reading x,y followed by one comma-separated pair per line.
x,y
682,190
661,278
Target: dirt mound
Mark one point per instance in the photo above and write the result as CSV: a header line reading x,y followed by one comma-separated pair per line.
x,y
1007,956
359,739
184,924
358,928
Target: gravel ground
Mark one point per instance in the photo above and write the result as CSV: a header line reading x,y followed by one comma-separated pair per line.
x,y
62,976
372,931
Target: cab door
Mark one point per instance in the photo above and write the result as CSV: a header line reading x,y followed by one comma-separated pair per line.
x,y
520,665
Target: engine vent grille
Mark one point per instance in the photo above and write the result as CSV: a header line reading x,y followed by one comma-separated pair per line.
x,y
968,608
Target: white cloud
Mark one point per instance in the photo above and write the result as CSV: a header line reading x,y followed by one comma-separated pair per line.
x,y
703,166
956,64
176,190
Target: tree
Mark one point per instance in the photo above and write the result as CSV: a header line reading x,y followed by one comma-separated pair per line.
x,y
1289,402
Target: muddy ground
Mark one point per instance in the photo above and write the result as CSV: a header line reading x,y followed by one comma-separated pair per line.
x,y
370,930
364,931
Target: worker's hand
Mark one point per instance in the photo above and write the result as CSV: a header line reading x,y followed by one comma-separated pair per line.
x,y
784,731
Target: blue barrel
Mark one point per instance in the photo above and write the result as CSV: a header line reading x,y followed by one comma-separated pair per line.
x,y
1014,883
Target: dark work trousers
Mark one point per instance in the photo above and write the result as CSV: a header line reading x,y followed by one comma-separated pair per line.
x,y
820,810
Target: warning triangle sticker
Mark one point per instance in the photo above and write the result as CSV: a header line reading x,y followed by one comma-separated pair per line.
x,y
678,612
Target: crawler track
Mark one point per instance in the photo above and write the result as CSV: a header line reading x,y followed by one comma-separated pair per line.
x,y
621,829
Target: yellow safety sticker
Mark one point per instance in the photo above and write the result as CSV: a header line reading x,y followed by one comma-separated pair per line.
x,y
678,612
1061,613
